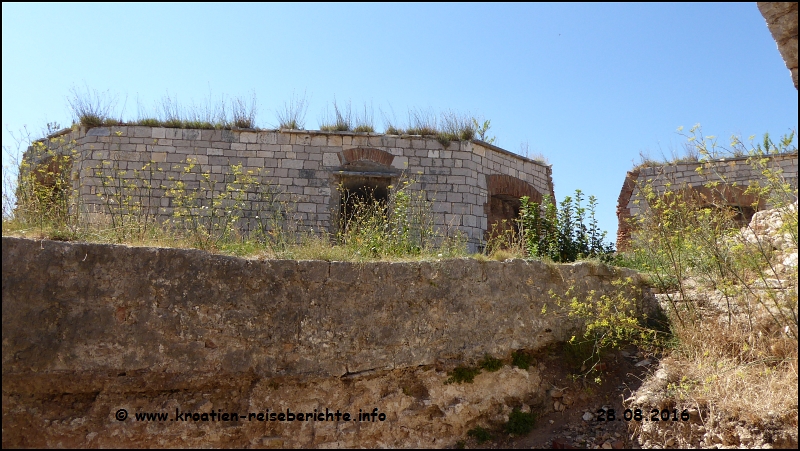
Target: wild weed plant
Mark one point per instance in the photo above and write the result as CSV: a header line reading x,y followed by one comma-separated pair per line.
x,y
293,114
560,233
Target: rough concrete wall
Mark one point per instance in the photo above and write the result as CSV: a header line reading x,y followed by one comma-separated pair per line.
x,y
781,20
304,165
85,324
733,171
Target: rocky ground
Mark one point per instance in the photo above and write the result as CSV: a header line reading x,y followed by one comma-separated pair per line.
x,y
569,418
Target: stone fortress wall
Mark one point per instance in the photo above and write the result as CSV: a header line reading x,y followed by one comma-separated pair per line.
x,y
465,180
736,173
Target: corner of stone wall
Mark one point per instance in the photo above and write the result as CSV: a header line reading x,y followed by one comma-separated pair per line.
x,y
623,211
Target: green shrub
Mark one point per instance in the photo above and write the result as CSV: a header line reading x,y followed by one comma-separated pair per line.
x,y
491,364
520,423
401,225
462,374
521,360
481,435
562,234
392,130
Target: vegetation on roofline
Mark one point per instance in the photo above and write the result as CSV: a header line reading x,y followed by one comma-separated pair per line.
x,y
91,108
699,148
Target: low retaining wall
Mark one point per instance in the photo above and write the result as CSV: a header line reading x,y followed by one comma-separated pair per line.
x,y
88,327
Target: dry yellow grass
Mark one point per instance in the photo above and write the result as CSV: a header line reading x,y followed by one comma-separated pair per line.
x,y
734,370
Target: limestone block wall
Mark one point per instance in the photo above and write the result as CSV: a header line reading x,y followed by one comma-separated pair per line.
x,y
306,166
735,173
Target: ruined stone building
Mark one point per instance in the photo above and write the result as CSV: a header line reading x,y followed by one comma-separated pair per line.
x,y
734,175
471,184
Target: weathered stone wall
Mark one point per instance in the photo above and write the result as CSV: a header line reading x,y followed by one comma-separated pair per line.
x,y
781,20
734,173
89,329
306,165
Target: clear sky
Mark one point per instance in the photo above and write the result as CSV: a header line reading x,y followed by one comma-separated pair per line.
x,y
589,86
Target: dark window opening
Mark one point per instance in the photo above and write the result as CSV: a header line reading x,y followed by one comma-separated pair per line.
x,y
503,215
742,214
361,195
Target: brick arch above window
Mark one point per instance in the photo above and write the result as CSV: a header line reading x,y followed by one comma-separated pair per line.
x,y
506,185
724,195
350,156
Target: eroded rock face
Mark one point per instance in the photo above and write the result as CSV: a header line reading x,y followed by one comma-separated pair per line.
x,y
90,329
769,230
415,409
781,19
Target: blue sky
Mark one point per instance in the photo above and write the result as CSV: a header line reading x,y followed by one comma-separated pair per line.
x,y
589,86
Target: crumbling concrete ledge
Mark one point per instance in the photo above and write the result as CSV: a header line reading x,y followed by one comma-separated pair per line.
x,y
87,323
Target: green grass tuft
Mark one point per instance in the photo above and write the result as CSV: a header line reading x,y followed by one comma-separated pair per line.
x,y
462,374
521,360
481,435
491,364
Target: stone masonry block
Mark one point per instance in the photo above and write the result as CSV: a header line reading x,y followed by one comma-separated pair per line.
x,y
418,143
99,131
330,159
230,136
291,164
400,162
442,207
267,138
142,132
433,144
454,197
248,137
307,207
255,162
